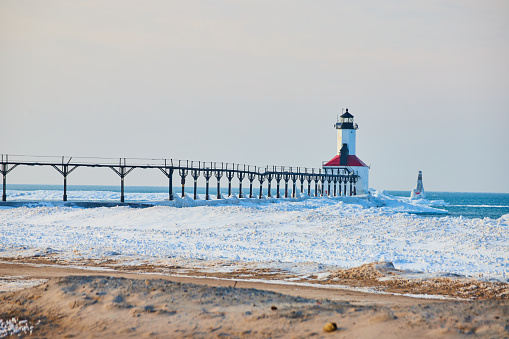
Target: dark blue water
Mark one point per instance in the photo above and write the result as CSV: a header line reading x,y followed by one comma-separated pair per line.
x,y
468,205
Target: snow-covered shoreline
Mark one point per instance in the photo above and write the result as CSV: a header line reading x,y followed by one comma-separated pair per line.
x,y
341,232
84,198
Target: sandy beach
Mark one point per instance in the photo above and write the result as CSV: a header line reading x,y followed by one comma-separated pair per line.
x,y
88,302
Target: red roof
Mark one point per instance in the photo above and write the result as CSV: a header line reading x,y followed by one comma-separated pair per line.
x,y
352,161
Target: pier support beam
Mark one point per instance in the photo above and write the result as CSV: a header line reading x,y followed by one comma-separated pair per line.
x,y
168,171
5,170
335,184
278,179
207,174
286,177
230,175
183,174
122,172
294,185
269,182
309,185
322,183
65,171
241,176
261,179
251,176
4,186
218,175
195,174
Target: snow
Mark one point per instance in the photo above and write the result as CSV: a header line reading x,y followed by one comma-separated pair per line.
x,y
339,232
14,326
14,283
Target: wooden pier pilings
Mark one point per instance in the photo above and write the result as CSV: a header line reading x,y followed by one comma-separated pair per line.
x,y
123,166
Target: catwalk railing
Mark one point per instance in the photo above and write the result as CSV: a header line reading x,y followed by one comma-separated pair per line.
x,y
196,169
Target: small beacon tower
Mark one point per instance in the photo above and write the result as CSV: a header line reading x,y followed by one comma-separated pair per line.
x,y
346,159
418,191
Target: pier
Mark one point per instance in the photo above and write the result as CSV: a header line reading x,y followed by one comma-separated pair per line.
x,y
342,179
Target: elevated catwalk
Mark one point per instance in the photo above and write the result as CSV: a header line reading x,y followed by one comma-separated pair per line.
x,y
170,167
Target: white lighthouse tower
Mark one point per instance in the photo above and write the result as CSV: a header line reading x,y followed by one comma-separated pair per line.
x,y
346,159
346,132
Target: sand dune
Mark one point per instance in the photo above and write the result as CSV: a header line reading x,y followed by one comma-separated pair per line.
x,y
87,303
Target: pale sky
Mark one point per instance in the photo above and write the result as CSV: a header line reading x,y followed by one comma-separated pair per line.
x,y
260,83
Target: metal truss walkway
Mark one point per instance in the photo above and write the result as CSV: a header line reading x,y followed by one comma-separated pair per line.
x,y
183,168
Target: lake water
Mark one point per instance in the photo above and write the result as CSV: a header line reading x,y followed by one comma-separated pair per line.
x,y
468,205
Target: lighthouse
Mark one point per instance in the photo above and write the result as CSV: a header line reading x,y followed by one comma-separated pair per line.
x,y
346,160
418,191
346,132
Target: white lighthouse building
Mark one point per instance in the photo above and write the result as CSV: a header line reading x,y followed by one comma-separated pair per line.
x,y
346,159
